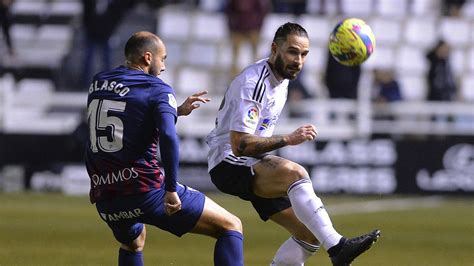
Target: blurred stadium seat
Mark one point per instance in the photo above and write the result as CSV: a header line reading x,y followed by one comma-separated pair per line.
x,y
318,28
456,31
466,91
391,8
209,27
174,50
425,7
22,34
387,30
420,31
55,34
470,59
411,60
458,61
363,8
28,7
413,87
208,53
192,79
271,23
317,58
168,27
70,8
383,57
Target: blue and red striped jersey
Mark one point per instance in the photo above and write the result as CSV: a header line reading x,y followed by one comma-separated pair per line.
x,y
123,108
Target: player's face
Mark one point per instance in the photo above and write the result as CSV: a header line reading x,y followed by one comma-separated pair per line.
x,y
290,56
158,62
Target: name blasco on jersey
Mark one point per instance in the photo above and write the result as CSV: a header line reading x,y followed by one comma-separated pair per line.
x,y
108,86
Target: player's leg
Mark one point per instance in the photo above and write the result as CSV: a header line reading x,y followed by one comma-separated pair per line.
x,y
237,39
301,245
128,232
276,176
200,215
298,248
217,222
254,37
131,253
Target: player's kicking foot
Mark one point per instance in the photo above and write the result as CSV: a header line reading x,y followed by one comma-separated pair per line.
x,y
352,248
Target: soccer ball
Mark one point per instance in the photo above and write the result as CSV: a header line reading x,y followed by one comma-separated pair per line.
x,y
351,42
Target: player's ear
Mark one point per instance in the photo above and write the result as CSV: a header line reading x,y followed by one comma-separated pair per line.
x,y
274,48
148,57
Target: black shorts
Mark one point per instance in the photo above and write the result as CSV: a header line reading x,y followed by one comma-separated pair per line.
x,y
237,180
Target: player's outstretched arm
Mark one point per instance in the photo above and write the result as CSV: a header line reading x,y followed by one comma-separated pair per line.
x,y
244,144
191,103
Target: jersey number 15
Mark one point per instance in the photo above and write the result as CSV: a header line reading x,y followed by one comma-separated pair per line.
x,y
99,119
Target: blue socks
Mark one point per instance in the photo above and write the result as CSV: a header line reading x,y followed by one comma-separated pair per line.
x,y
128,258
227,252
229,249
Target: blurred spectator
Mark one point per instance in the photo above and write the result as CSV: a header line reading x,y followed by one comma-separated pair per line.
x,y
100,19
6,22
386,86
295,7
341,81
441,84
245,19
452,8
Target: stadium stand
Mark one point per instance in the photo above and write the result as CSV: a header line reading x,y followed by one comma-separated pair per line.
x,y
46,36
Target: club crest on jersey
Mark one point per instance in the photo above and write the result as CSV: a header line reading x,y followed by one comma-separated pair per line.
x,y
267,123
172,101
252,115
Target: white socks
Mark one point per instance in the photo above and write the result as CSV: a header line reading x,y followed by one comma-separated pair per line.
x,y
311,212
293,252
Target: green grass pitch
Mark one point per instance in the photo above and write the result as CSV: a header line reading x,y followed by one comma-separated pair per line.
x,y
51,229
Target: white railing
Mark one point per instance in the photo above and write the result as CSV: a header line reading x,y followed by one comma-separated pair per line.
x,y
334,119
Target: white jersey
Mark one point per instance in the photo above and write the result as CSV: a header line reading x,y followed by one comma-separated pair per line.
x,y
252,104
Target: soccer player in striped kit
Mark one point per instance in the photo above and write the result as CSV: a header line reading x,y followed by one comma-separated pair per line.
x,y
279,189
131,114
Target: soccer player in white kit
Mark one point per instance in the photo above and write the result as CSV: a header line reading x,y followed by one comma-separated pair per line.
x,y
279,189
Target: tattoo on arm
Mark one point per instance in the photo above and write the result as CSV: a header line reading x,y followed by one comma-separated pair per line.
x,y
253,145
242,146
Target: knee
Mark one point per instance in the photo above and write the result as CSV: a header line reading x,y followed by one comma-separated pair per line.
x,y
296,172
233,223
136,245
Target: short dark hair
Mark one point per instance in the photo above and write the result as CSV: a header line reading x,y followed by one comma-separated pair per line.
x,y
287,29
137,45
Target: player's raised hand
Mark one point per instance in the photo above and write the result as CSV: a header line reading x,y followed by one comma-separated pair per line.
x,y
172,203
192,102
302,134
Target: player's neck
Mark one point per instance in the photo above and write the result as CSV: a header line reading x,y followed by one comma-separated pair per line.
x,y
275,73
135,67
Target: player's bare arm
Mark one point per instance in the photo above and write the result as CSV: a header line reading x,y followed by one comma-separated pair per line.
x,y
191,103
244,144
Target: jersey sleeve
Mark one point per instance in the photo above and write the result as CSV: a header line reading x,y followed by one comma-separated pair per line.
x,y
247,110
165,114
169,149
163,100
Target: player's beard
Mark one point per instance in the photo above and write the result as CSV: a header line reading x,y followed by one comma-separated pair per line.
x,y
283,71
153,69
